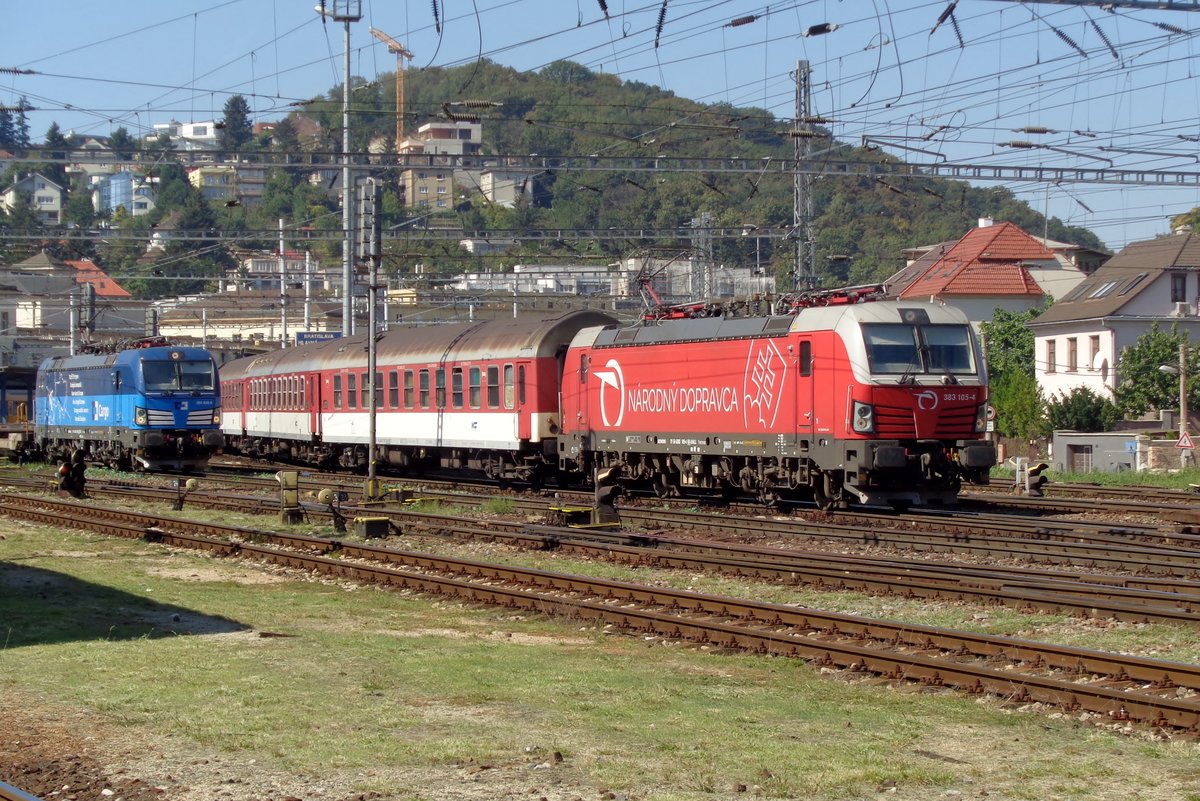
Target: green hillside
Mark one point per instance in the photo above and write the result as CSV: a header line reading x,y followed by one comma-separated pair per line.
x,y
567,109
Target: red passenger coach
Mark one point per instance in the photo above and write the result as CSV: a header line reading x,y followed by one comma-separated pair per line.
x,y
876,403
478,396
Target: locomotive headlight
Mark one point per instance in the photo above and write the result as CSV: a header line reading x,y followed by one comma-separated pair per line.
x,y
140,417
217,416
981,418
862,418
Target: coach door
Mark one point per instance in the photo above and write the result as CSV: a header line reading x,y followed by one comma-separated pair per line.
x,y
517,392
313,398
806,414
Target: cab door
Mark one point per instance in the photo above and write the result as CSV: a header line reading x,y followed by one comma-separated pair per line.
x,y
806,414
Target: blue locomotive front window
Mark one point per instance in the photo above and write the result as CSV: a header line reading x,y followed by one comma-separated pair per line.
x,y
193,375
910,350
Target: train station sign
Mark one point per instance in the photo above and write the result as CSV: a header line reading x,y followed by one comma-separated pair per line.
x,y
308,337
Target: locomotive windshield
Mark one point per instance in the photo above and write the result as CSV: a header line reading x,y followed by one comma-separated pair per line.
x,y
911,350
184,375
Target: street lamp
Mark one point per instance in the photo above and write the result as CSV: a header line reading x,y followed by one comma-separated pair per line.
x,y
1185,454
346,11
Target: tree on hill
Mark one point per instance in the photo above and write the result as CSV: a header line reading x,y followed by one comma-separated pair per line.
x,y
123,144
55,151
8,130
235,130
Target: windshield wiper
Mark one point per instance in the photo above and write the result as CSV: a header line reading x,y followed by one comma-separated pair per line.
x,y
909,377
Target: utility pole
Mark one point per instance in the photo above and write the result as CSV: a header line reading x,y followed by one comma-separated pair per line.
x,y
703,279
307,289
370,251
805,274
283,332
1185,454
346,11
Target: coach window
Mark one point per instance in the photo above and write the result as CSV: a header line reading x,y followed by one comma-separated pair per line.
x,y
364,387
439,389
378,385
473,393
456,387
351,391
409,389
337,392
806,358
508,386
424,394
493,387
394,389
521,385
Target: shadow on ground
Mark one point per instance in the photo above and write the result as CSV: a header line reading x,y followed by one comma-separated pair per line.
x,y
40,607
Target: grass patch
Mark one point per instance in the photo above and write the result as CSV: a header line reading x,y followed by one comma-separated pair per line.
x,y
498,506
379,683
1178,479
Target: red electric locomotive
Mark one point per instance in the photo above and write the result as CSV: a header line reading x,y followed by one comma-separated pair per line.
x,y
479,396
874,403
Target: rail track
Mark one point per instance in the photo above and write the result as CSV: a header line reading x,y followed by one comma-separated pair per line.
x,y
10,793
1099,686
1154,594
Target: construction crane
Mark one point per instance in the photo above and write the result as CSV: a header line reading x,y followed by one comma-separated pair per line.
x,y
401,53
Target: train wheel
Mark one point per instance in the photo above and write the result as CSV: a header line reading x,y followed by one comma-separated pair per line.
x,y
821,497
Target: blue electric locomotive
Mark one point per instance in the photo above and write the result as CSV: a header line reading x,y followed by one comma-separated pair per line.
x,y
150,407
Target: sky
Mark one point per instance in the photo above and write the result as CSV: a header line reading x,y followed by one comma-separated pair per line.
x,y
994,83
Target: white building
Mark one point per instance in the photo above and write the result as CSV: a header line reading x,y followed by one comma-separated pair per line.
x,y
1078,341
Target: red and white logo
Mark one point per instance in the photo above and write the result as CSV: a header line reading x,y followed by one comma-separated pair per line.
x,y
927,400
766,371
613,378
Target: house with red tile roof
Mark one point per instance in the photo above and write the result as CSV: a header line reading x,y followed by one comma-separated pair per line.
x,y
994,266
88,272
